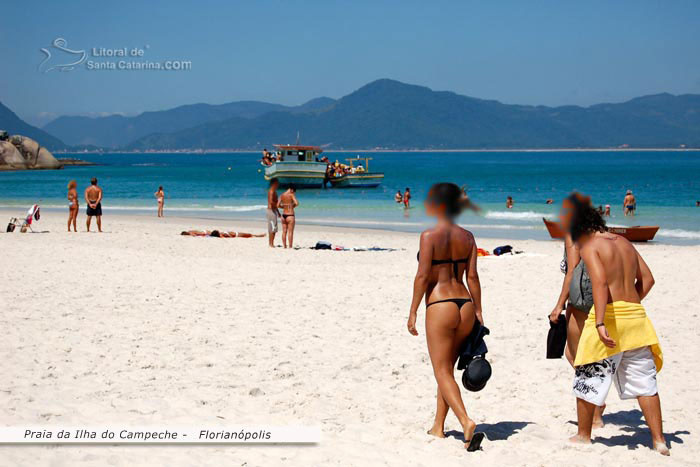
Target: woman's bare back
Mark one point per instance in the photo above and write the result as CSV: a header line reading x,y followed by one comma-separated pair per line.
x,y
448,243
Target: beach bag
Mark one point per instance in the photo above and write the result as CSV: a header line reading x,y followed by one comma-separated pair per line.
x,y
502,250
10,227
581,289
322,245
556,337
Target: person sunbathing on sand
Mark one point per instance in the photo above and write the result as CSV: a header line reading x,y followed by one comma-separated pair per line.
x,y
447,253
618,343
219,234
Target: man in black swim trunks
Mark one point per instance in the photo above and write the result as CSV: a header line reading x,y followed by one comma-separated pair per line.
x,y
93,197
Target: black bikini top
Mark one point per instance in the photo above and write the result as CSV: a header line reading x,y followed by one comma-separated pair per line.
x,y
454,262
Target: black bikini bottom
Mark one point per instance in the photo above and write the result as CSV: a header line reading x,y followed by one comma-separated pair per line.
x,y
457,301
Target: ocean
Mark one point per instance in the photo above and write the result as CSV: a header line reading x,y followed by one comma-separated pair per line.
x,y
230,186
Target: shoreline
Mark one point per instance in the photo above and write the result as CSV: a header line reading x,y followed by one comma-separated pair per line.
x,y
247,151
487,232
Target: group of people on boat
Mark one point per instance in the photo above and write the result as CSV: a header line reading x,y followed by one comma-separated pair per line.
x,y
269,158
338,169
610,340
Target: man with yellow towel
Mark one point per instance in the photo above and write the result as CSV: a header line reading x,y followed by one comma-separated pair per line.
x,y
618,343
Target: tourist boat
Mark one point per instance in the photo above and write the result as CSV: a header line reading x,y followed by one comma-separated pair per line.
x,y
633,234
299,166
361,178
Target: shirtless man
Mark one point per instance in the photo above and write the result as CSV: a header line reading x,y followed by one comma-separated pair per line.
x,y
407,198
629,204
288,201
618,344
272,210
93,197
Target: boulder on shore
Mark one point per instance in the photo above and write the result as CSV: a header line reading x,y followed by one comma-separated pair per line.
x,y
21,153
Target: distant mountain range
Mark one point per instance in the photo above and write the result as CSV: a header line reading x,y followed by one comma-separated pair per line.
x,y
391,115
14,125
116,131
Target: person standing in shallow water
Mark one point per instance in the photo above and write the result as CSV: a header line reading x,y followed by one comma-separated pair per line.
x,y
447,254
629,205
73,205
618,344
407,198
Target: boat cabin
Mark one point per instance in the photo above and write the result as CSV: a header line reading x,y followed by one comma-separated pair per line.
x,y
291,153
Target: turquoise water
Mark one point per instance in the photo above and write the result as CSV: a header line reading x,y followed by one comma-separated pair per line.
x,y
230,186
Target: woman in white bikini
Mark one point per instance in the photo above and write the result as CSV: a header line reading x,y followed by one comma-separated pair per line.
x,y
160,196
72,204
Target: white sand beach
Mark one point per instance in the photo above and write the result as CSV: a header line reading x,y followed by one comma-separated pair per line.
x,y
141,326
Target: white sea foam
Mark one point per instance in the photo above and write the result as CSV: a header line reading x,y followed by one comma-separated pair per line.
x,y
254,207
502,226
679,233
527,215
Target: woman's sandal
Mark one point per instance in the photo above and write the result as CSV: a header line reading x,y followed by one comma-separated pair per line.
x,y
474,444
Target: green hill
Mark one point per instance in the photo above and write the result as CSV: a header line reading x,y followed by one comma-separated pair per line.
x,y
10,122
394,115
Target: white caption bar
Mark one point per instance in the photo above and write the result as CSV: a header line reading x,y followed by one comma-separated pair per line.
x,y
160,435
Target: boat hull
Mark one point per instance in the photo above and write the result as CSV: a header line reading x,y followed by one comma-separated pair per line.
x,y
633,234
299,174
367,180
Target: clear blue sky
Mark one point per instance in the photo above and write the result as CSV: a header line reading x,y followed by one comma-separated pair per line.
x,y
537,52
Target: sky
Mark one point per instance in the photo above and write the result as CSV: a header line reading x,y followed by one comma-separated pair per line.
x,y
517,52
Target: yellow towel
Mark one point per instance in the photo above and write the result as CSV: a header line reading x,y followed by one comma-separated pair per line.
x,y
630,328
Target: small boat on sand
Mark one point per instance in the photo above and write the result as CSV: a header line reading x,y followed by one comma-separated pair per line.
x,y
633,234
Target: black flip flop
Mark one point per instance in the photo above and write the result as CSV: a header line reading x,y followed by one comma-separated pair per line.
x,y
475,442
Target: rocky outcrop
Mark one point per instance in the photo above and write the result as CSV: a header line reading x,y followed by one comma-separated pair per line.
x,y
22,153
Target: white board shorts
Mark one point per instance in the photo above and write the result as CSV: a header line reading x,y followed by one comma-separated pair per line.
x,y
632,371
271,221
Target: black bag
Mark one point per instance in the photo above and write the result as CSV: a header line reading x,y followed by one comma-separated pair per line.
x,y
10,227
323,245
502,250
556,337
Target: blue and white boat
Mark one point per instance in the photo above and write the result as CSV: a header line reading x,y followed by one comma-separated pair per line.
x,y
298,166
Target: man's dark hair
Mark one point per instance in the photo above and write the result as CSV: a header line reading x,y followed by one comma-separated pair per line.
x,y
93,181
585,218
293,188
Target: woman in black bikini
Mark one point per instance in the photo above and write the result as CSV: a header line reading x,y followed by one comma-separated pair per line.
x,y
447,254
288,201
